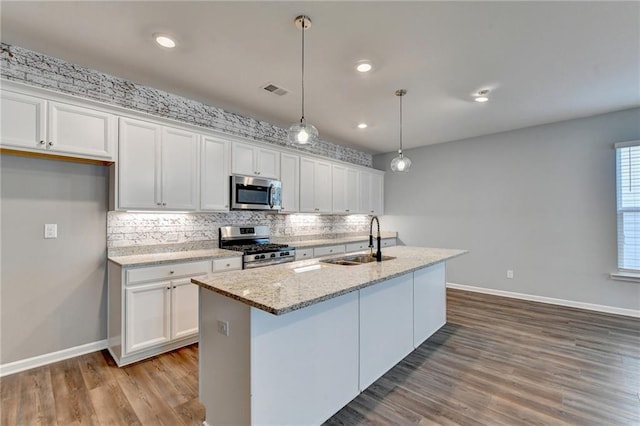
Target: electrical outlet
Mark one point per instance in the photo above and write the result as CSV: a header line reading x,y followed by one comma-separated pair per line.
x,y
509,273
223,327
50,230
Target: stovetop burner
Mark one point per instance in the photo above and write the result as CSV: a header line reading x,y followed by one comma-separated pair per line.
x,y
253,241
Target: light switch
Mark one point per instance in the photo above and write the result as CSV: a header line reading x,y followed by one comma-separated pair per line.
x,y
51,230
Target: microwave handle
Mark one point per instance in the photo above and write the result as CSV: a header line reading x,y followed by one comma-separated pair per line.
x,y
270,196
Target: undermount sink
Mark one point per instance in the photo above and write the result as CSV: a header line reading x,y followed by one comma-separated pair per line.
x,y
355,260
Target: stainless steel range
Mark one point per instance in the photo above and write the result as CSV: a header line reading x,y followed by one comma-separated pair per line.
x,y
253,241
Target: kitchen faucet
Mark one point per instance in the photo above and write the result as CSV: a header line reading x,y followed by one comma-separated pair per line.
x,y
378,253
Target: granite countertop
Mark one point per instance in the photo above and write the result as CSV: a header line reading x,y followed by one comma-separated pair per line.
x,y
169,257
332,241
284,288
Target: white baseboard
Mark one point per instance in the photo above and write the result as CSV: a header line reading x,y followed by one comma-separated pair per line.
x,y
549,300
37,361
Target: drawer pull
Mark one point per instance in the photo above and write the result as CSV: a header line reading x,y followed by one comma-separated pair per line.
x,y
228,264
172,272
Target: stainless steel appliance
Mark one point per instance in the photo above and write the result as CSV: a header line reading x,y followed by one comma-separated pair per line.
x,y
252,193
253,241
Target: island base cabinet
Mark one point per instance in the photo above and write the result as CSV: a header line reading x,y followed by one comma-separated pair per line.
x,y
386,327
302,367
429,302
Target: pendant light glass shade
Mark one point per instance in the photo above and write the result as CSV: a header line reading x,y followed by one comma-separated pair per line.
x,y
302,133
400,164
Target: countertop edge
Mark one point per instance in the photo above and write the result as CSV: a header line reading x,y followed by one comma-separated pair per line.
x,y
189,257
301,305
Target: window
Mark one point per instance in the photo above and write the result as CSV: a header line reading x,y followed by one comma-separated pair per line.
x,y
628,200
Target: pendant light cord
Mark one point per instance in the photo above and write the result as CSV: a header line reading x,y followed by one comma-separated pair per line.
x,y
400,123
304,25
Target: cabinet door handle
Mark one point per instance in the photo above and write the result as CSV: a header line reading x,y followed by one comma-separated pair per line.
x,y
228,265
41,142
164,204
169,288
50,143
174,286
159,204
317,209
371,211
172,272
330,251
347,210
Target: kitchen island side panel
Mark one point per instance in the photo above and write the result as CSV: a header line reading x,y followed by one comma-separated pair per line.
x,y
304,365
224,361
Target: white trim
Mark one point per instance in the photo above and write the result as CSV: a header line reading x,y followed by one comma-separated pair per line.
x,y
633,277
626,144
550,300
49,358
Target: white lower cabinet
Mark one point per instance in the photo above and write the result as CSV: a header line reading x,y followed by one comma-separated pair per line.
x,y
386,327
429,302
328,250
302,254
147,315
154,309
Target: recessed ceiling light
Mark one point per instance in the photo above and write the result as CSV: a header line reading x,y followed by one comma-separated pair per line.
x,y
482,96
362,126
164,41
364,66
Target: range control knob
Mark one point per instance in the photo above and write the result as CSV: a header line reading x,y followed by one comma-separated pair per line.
x,y
262,256
273,255
257,257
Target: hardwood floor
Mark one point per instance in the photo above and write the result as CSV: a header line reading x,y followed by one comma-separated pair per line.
x,y
498,361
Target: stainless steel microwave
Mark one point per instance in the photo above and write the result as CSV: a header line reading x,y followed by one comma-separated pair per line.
x,y
252,193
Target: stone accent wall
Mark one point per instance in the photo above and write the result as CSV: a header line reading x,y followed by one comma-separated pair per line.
x,y
146,229
36,69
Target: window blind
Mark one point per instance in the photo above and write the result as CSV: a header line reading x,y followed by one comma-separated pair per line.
x,y
628,202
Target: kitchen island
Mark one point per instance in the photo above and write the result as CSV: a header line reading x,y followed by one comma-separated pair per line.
x,y
294,343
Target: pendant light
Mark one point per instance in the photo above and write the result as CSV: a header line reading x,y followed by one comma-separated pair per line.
x,y
302,133
400,163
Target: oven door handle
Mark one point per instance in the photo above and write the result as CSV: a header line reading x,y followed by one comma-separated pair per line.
x,y
270,195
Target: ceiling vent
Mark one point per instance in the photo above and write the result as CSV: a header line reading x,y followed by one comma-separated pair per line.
x,y
276,90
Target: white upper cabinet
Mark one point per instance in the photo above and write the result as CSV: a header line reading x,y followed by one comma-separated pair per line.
x,y
179,169
214,175
139,165
35,124
290,177
158,167
83,131
371,193
23,121
345,189
315,186
254,161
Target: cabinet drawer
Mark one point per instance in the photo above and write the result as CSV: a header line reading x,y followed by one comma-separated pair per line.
x,y
360,246
170,271
302,254
388,242
227,264
325,251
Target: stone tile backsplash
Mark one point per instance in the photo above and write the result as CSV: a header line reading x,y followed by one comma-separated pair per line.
x,y
56,74
126,229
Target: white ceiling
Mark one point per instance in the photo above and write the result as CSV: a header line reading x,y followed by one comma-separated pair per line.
x,y
543,61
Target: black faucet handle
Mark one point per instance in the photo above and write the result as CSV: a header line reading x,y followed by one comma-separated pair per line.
x,y
370,240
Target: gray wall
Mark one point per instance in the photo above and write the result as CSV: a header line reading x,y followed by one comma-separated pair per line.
x,y
53,292
540,201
